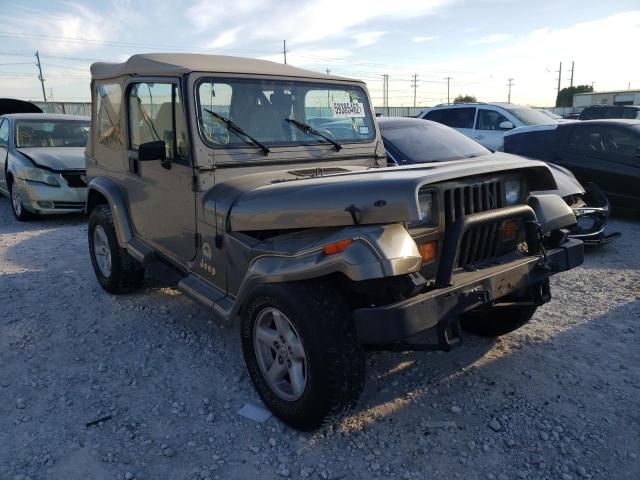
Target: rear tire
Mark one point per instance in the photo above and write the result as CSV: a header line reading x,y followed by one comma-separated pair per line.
x,y
116,270
497,321
318,325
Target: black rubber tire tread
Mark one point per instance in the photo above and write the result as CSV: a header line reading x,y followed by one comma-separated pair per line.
x,y
498,321
335,359
127,274
26,215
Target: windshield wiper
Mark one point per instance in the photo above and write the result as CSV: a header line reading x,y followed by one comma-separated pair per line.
x,y
309,130
244,135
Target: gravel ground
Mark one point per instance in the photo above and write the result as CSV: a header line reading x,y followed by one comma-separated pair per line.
x,y
558,399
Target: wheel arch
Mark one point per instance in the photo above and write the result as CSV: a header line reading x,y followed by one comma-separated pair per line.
x,y
104,191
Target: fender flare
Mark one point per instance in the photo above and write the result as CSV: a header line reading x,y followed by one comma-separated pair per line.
x,y
110,190
377,251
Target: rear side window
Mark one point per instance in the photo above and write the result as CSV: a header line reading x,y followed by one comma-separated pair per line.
x,y
453,117
108,104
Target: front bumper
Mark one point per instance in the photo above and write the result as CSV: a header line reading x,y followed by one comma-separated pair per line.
x,y
466,290
592,219
47,200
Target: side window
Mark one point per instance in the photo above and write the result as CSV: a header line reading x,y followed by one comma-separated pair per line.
x,y
155,113
586,138
4,133
489,119
108,105
621,141
459,117
434,116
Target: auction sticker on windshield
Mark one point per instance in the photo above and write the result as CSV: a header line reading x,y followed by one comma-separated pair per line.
x,y
347,110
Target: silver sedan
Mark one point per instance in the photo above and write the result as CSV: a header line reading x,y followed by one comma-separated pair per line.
x,y
42,164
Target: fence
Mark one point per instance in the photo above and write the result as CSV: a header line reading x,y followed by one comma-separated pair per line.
x,y
69,108
398,111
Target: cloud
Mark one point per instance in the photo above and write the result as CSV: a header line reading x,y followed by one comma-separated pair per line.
x,y
225,38
494,38
368,38
307,57
304,21
77,28
423,39
471,29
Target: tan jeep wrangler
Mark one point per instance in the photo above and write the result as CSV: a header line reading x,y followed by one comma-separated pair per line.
x,y
259,190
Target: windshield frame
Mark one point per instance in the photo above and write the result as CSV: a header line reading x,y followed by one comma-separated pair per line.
x,y
313,141
22,121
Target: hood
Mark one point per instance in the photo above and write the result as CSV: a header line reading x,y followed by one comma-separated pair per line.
x,y
283,200
566,181
56,158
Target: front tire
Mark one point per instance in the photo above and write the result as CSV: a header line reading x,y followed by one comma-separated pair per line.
x,y
497,321
300,348
17,207
116,270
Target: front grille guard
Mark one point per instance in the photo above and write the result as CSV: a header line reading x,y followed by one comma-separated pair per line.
x,y
455,233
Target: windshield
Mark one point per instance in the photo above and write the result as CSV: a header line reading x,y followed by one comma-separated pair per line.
x,y
425,141
52,133
529,116
261,108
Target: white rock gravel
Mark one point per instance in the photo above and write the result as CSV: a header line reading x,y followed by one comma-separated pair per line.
x,y
167,383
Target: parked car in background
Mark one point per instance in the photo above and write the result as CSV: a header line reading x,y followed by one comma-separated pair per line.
x,y
606,152
485,123
571,116
409,141
550,114
42,165
13,105
598,112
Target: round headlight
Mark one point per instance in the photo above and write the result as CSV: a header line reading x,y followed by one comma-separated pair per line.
x,y
512,191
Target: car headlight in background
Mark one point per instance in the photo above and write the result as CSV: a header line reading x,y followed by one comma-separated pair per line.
x,y
512,191
425,208
39,175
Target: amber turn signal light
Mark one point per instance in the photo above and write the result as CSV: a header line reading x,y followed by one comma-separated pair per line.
x,y
428,251
336,247
508,230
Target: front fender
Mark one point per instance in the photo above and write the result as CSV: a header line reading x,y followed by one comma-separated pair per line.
x,y
377,251
109,190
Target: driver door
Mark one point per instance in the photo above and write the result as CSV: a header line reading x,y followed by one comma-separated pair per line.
x,y
160,192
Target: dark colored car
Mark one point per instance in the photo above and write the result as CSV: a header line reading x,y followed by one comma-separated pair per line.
x,y
606,152
409,141
600,112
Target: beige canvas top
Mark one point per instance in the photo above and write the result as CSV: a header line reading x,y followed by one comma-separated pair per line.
x,y
181,63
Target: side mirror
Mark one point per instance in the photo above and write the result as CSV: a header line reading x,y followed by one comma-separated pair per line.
x,y
152,151
506,125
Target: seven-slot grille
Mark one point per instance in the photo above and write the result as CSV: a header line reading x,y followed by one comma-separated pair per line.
x,y
468,199
479,243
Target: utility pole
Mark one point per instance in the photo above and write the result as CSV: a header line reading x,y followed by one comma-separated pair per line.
x,y
385,90
415,88
509,84
40,77
284,50
559,80
572,67
448,79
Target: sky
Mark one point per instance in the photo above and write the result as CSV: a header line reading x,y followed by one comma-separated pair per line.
x,y
479,44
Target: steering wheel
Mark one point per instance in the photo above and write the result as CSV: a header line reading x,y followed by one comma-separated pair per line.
x,y
24,137
221,134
